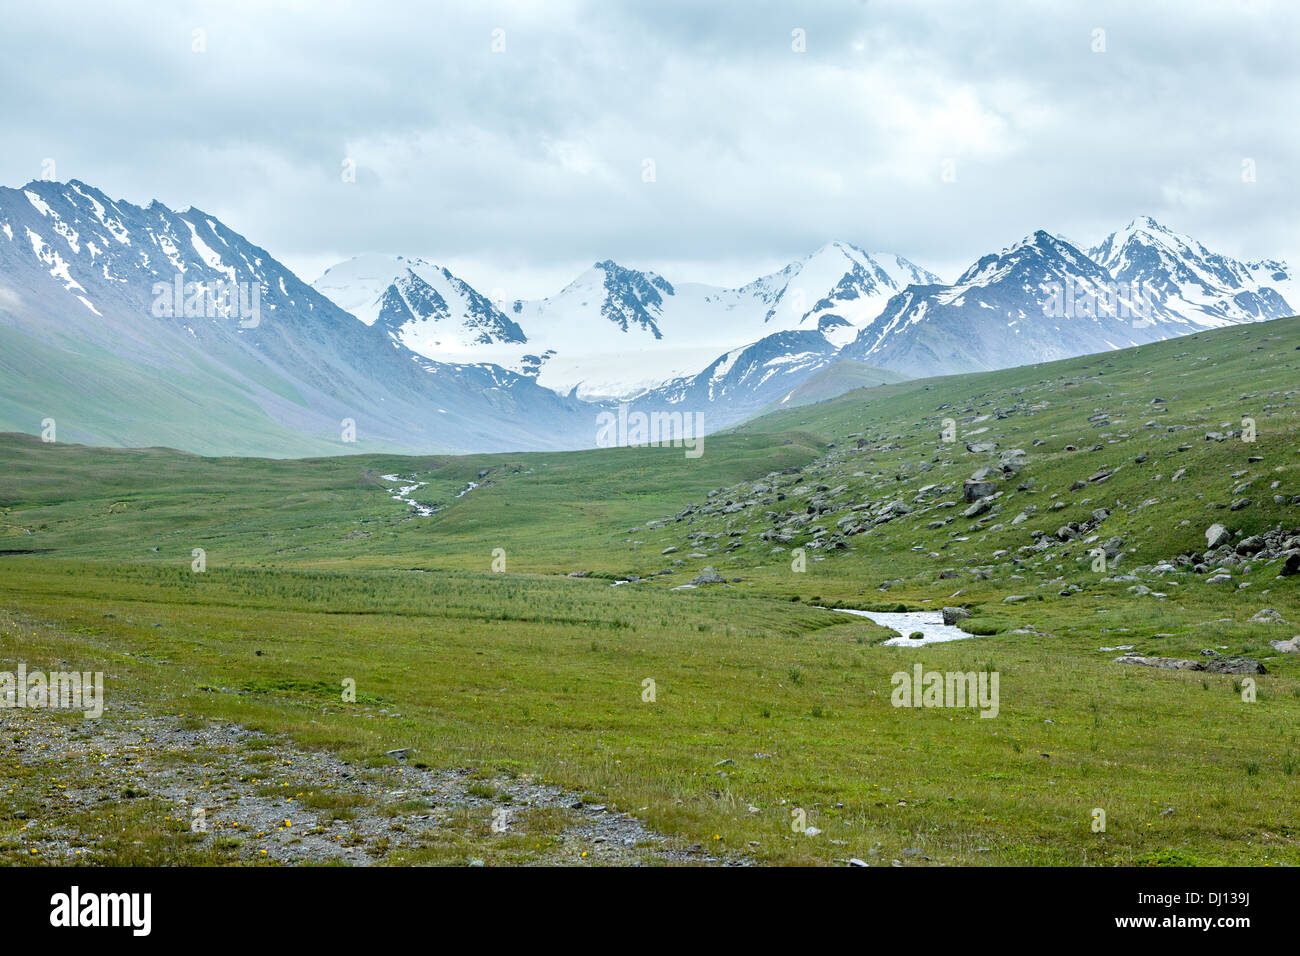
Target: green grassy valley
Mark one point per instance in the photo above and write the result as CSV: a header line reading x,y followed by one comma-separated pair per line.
x,y
649,634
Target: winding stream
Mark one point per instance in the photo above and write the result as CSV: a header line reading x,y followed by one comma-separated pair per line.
x,y
402,494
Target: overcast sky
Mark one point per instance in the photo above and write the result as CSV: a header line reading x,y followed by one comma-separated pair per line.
x,y
512,140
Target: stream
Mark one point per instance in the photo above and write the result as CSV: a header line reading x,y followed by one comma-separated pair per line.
x,y
402,494
929,623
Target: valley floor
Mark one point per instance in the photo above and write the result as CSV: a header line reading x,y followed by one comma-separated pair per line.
x,y
270,632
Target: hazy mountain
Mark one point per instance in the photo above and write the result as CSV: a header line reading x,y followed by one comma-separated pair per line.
x,y
141,326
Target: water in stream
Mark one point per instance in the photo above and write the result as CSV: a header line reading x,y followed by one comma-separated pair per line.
x,y
929,623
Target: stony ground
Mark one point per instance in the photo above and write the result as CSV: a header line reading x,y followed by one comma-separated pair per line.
x,y
77,787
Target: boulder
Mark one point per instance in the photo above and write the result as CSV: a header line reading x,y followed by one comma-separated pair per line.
x,y
709,576
1216,535
973,490
894,509
1251,545
1286,647
951,615
1216,665
1267,616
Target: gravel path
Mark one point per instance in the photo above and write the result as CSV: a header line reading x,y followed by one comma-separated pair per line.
x,y
293,806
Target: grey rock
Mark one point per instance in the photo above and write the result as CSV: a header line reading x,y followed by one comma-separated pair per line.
x,y
1250,545
1267,616
1167,663
951,615
1235,665
709,576
972,490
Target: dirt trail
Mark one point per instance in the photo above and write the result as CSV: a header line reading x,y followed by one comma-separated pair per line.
x,y
250,785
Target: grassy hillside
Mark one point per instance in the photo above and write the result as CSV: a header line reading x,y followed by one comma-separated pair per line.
x,y
766,703
94,392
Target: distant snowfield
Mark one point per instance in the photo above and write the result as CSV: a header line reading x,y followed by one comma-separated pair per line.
x,y
615,333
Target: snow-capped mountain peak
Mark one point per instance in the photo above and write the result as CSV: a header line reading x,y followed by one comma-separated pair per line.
x,y
616,332
839,282
420,304
1210,288
628,298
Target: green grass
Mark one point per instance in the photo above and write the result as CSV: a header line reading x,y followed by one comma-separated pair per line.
x,y
315,575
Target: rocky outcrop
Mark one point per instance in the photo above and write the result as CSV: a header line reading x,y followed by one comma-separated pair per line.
x,y
1217,665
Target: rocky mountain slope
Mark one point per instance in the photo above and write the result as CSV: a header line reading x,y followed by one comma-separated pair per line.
x,y
1043,299
143,326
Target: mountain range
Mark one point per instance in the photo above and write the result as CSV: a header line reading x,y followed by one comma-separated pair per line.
x,y
129,325
614,332
94,338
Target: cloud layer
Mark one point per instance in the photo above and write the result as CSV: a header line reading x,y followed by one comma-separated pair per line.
x,y
520,141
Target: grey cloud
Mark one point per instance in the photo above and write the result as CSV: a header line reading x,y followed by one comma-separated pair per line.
x,y
532,159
